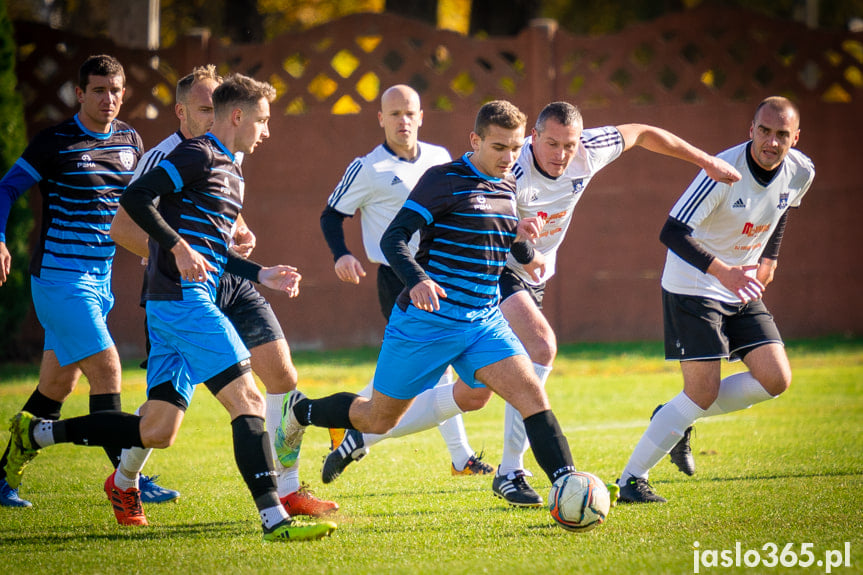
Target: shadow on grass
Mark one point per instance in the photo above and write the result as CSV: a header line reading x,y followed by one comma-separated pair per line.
x,y
838,473
221,529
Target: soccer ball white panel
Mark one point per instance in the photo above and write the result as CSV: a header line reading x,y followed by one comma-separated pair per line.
x,y
579,501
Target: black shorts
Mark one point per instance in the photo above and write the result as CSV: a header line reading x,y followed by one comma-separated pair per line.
x,y
389,288
248,311
510,283
699,328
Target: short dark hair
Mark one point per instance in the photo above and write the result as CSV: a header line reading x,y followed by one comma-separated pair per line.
x,y
198,74
563,113
498,113
99,65
239,90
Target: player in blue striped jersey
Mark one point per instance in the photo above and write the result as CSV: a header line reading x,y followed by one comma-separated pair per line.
x,y
723,244
377,186
82,166
245,307
199,188
448,313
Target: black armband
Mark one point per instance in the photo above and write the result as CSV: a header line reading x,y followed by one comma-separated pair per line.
x,y
332,222
394,244
523,252
139,202
246,269
677,237
771,250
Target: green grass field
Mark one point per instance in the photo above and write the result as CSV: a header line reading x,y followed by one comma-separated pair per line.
x,y
789,471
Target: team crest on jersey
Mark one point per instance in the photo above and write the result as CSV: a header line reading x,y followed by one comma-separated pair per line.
x,y
127,158
783,201
577,186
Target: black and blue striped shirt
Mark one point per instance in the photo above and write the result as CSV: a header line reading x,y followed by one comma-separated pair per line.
x,y
81,175
470,225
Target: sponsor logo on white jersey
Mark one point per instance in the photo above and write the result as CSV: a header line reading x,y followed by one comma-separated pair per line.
x,y
396,180
751,230
739,203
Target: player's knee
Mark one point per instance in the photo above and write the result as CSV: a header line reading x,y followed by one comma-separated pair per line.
x,y
158,438
776,383
380,425
475,399
542,349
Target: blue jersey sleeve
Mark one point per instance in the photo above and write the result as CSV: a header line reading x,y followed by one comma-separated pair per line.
x,y
17,180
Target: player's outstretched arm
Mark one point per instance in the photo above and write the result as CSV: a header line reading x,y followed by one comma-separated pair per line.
x,y
281,278
664,142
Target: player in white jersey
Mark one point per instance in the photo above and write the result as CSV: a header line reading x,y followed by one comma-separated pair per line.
x,y
555,166
723,244
245,307
377,186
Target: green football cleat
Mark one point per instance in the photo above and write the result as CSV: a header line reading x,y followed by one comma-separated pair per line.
x,y
289,434
21,448
614,492
293,530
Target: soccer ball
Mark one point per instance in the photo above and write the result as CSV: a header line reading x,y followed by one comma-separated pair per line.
x,y
579,501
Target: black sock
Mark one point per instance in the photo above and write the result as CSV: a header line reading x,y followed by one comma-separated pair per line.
x,y
251,449
331,411
549,445
105,428
40,406
108,402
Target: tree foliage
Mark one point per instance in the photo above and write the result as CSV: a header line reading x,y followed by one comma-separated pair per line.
x,y
15,293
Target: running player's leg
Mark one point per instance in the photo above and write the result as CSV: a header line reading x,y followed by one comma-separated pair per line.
x,y
522,311
463,457
256,323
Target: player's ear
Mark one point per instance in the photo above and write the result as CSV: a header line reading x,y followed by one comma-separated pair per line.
x,y
237,116
475,141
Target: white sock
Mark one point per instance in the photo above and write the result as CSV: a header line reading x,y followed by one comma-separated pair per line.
x,y
736,392
367,390
43,433
272,516
123,481
287,480
132,461
453,432
664,432
428,410
515,442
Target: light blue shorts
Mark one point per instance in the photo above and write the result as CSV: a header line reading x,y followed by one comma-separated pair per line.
x,y
190,342
74,315
418,346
